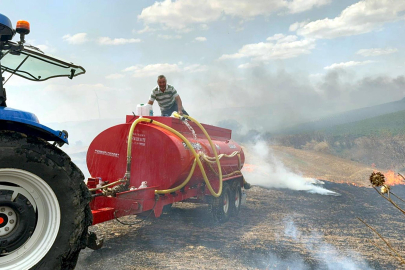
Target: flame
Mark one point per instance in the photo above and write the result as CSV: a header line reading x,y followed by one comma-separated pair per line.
x,y
393,179
256,169
249,167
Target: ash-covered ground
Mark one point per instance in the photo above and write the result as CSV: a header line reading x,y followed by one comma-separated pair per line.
x,y
277,229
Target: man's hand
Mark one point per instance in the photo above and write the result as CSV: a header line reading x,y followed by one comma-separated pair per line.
x,y
179,105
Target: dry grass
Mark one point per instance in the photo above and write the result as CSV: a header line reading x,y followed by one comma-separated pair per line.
x,y
277,229
324,166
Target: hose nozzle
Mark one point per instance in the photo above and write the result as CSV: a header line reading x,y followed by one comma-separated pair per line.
x,y
178,116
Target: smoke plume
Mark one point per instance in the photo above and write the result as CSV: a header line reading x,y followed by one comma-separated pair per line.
x,y
263,169
329,257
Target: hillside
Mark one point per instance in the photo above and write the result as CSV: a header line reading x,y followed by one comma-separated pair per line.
x,y
387,124
348,117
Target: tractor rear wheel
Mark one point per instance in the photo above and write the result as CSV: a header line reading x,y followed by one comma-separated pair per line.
x,y
44,205
221,206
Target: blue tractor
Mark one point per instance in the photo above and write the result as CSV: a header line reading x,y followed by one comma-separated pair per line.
x,y
44,202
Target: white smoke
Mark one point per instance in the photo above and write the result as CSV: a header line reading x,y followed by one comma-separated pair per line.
x,y
328,256
286,263
267,171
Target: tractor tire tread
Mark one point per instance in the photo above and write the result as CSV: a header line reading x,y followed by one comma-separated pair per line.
x,y
57,163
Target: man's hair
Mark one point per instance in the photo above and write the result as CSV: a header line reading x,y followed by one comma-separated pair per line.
x,y
162,77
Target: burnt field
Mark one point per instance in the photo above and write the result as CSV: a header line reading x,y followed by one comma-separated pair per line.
x,y
277,229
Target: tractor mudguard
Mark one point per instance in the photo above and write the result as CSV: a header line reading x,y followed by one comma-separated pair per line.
x,y
27,123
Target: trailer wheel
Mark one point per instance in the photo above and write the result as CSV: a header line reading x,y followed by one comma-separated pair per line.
x,y
44,210
221,206
167,208
236,198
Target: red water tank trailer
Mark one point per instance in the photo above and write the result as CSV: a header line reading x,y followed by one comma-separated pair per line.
x,y
159,160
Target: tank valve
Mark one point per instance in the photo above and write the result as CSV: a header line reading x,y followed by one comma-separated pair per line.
x,y
144,184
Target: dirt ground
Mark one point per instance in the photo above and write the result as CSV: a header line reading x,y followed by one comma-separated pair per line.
x,y
276,229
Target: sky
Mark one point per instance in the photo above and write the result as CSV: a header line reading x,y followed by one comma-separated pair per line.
x,y
266,64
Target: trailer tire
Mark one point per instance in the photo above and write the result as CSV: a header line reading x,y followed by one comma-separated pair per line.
x,y
167,208
236,198
43,176
221,206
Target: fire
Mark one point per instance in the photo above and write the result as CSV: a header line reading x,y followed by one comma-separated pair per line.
x,y
259,171
249,167
392,179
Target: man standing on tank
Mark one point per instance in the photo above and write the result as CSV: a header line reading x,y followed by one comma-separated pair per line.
x,y
167,97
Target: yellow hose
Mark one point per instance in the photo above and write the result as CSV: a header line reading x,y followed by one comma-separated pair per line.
x,y
196,156
224,175
213,149
212,159
166,191
129,151
108,185
208,158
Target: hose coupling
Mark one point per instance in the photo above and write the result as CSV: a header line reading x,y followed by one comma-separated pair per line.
x,y
127,176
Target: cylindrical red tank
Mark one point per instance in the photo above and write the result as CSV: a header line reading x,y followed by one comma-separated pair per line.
x,y
158,156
